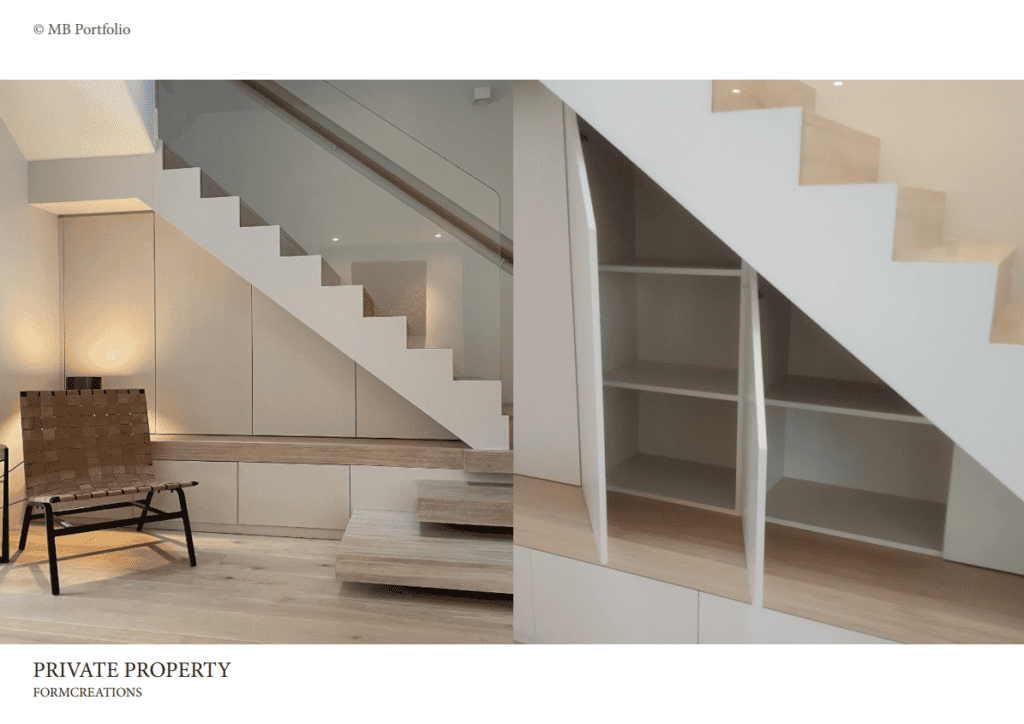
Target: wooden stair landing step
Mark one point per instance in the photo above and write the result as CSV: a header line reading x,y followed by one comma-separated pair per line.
x,y
396,549
461,503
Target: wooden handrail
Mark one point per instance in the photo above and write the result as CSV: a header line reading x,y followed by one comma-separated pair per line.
x,y
459,221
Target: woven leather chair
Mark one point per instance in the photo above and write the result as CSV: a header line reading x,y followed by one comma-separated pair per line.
x,y
88,444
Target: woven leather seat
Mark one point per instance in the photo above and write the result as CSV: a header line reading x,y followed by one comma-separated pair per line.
x,y
89,444
109,492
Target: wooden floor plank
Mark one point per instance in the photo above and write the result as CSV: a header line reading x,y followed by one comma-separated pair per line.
x,y
552,517
692,547
895,594
246,589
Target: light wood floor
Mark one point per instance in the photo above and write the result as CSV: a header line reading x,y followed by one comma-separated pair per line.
x,y
246,589
699,549
907,597
552,517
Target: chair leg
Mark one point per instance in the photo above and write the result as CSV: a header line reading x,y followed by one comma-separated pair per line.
x,y
188,527
142,518
24,527
51,545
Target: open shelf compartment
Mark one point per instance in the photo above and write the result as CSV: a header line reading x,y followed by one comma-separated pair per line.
x,y
671,448
805,368
641,228
670,334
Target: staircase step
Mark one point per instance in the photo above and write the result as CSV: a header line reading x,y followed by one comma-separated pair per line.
x,y
172,160
397,549
758,94
462,503
831,153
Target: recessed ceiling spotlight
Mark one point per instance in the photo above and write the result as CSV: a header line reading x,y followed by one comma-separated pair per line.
x,y
334,239
735,90
838,82
437,236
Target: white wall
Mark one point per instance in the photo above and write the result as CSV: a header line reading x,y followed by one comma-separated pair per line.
x,y
962,137
30,346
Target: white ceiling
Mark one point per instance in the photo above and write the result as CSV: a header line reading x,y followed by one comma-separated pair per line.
x,y
73,118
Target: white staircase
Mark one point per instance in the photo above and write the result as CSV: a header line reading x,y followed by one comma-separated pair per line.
x,y
794,195
469,409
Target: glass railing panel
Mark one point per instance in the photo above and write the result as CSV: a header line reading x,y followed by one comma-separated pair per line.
x,y
422,161
410,261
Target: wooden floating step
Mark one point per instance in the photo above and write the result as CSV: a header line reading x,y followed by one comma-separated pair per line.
x,y
397,549
462,503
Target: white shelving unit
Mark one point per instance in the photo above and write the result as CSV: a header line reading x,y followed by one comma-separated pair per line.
x,y
670,329
847,456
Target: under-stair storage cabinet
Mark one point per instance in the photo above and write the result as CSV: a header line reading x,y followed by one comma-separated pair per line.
x,y
847,456
670,311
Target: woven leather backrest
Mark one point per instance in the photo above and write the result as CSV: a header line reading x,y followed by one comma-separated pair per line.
x,y
80,440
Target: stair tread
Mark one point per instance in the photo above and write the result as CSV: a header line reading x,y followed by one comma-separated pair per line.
x,y
461,503
964,254
396,548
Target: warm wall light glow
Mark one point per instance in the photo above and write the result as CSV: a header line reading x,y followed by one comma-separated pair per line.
x,y
29,324
114,350
735,90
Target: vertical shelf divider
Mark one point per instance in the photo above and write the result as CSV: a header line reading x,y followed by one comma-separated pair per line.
x,y
587,331
752,443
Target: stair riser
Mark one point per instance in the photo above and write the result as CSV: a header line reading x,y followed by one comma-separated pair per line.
x,y
920,222
833,154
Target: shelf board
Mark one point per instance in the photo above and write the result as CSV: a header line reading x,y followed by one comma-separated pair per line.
x,y
676,481
669,267
863,399
889,520
711,382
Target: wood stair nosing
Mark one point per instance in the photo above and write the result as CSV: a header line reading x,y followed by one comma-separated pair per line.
x,y
396,549
462,503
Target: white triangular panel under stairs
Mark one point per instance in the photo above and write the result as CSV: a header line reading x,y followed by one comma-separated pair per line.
x,y
846,250
469,409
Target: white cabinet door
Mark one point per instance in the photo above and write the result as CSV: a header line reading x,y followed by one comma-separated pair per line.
x,y
724,621
214,500
581,603
293,495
